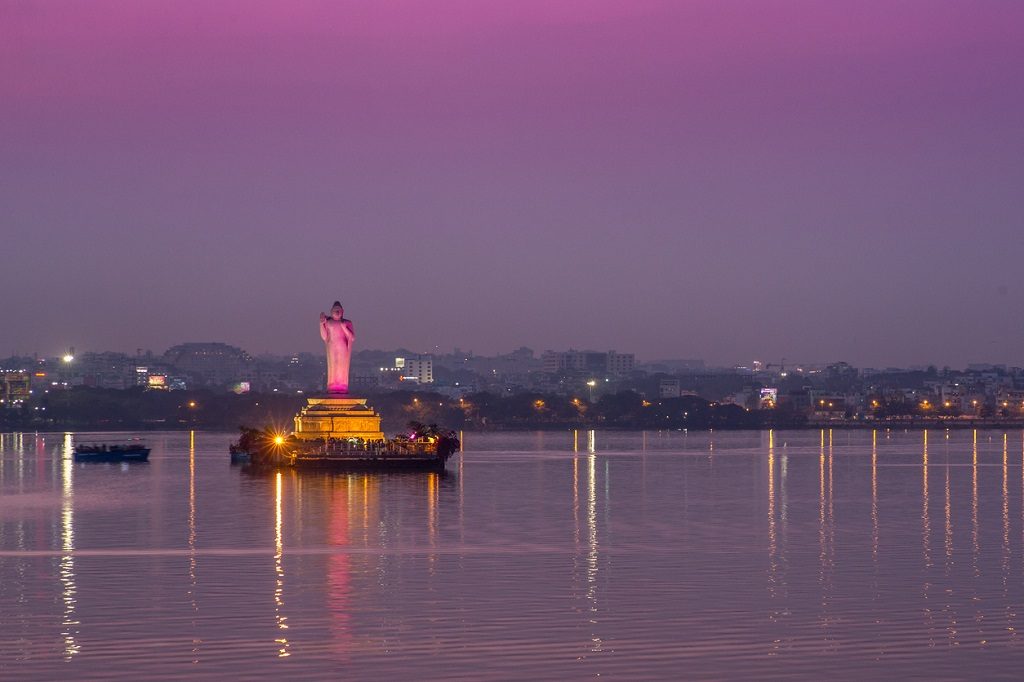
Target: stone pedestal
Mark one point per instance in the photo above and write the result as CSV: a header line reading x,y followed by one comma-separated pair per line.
x,y
337,417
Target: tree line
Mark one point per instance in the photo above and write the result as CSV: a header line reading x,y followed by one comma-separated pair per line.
x,y
108,409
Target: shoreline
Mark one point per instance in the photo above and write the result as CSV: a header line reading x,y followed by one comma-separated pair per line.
x,y
547,428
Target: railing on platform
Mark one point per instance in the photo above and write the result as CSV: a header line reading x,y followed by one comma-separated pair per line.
x,y
370,449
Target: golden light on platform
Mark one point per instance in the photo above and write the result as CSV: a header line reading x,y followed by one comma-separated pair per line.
x,y
278,440
338,417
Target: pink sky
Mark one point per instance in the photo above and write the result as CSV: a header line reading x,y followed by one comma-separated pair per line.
x,y
726,180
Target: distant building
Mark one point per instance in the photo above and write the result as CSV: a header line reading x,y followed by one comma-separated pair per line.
x,y
1012,399
158,376
588,361
106,370
952,395
211,364
827,407
678,366
743,399
798,400
420,370
15,388
509,367
620,363
985,367
669,388
840,370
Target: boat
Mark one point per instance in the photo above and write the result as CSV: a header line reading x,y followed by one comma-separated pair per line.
x,y
239,455
102,452
388,455
250,444
424,449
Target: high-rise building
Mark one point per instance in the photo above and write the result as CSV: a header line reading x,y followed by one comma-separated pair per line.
x,y
211,364
588,361
418,369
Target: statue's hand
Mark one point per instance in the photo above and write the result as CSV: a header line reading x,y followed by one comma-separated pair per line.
x,y
323,317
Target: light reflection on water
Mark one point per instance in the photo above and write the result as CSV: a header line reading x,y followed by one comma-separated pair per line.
x,y
192,579
69,624
279,617
556,555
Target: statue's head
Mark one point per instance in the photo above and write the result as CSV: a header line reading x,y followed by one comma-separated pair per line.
x,y
337,311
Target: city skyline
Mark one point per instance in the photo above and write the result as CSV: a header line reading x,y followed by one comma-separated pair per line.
x,y
72,354
56,350
718,180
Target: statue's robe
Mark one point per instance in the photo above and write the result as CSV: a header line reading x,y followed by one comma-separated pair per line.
x,y
338,336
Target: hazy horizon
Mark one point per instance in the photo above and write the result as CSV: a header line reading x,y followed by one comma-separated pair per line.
x,y
318,349
716,180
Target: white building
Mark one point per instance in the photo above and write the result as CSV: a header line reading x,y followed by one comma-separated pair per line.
x,y
420,370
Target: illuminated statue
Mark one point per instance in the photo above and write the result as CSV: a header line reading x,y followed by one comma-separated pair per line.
x,y
338,336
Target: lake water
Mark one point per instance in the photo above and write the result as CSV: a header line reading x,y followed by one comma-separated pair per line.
x,y
851,554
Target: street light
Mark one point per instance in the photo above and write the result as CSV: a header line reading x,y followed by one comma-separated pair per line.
x,y
591,384
68,357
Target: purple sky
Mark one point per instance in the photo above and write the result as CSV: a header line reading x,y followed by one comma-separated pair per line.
x,y
724,180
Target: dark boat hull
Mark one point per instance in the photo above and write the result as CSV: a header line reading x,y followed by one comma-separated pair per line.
x,y
399,454
435,464
131,455
240,458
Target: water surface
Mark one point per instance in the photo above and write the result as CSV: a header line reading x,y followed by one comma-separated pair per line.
x,y
537,555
